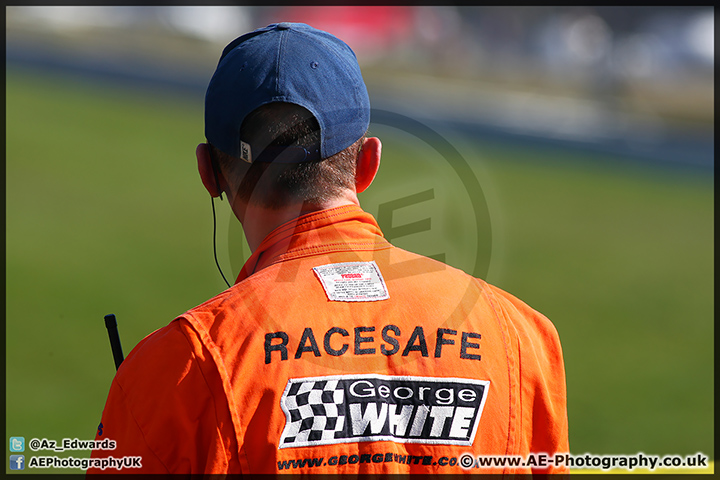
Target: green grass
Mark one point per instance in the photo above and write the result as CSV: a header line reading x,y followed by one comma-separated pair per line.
x,y
106,214
622,261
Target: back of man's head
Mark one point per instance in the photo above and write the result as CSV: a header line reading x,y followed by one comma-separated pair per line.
x,y
275,129
285,112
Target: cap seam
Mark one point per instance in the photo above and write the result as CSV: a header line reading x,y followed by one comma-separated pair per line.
x,y
278,57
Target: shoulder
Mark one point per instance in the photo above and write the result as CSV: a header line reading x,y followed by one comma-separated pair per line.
x,y
169,377
168,342
411,268
169,387
518,308
535,331
160,362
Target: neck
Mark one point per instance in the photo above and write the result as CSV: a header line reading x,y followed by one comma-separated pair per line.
x,y
258,221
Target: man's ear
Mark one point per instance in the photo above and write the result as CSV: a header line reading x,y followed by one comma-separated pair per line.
x,y
368,163
207,171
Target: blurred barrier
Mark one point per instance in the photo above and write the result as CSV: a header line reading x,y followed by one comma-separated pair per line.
x,y
538,124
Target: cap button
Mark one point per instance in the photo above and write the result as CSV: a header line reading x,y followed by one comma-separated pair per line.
x,y
283,26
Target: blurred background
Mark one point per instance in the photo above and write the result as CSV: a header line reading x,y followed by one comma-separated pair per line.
x,y
564,154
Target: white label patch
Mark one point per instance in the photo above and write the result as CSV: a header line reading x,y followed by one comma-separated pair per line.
x,y
352,282
371,408
245,152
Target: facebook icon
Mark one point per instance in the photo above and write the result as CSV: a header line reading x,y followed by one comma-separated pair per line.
x,y
17,462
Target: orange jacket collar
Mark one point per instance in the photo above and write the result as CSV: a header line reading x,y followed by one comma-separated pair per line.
x,y
337,229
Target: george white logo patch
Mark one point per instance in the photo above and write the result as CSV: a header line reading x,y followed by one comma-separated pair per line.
x,y
371,408
352,282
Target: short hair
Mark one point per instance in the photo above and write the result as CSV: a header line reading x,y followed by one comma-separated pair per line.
x,y
273,185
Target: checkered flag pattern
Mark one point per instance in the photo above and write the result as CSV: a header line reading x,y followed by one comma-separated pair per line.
x,y
312,412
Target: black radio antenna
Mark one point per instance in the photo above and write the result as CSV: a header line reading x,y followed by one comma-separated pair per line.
x,y
111,325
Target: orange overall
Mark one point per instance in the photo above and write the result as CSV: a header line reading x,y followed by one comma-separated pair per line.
x,y
335,352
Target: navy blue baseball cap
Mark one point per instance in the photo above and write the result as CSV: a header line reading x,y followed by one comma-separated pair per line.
x,y
293,63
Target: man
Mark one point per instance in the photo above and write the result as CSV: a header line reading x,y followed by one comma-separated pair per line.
x,y
334,352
